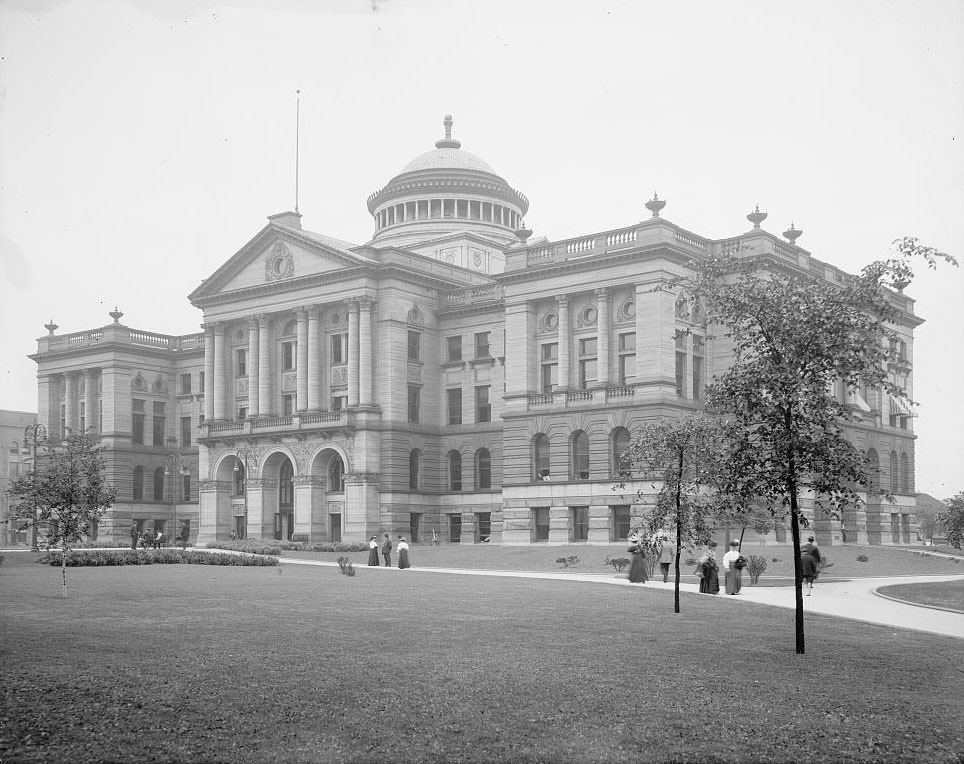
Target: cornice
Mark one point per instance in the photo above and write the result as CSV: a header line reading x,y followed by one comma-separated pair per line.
x,y
592,263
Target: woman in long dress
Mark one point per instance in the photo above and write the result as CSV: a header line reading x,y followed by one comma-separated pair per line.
x,y
373,552
403,553
733,575
637,570
708,572
809,563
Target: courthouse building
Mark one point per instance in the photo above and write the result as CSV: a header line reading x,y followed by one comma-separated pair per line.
x,y
452,374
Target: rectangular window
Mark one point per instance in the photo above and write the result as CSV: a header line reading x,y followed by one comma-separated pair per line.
x,y
137,422
680,363
627,358
550,366
160,422
620,522
482,345
287,356
414,393
540,523
895,527
200,382
186,487
185,431
454,396
579,516
339,349
455,528
339,402
698,354
241,362
483,408
83,416
287,404
242,413
185,384
414,346
484,520
587,362
453,348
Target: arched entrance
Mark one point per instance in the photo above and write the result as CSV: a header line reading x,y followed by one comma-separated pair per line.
x,y
278,492
232,498
328,497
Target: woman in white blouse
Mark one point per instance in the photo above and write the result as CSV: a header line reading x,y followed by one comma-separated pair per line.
x,y
403,553
733,574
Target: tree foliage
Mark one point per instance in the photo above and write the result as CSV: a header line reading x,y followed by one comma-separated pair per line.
x,y
951,520
794,336
65,488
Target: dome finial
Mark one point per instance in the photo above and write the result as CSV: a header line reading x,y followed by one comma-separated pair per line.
x,y
447,142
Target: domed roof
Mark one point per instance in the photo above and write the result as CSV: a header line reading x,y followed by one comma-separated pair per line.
x,y
448,159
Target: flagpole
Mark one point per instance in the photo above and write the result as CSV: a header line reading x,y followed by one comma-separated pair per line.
x,y
297,135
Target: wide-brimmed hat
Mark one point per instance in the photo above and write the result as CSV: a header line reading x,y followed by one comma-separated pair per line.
x,y
734,543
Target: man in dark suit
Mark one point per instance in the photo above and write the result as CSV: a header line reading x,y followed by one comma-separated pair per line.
x,y
387,551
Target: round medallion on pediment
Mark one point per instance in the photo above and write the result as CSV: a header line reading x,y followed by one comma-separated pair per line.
x,y
550,322
279,263
626,311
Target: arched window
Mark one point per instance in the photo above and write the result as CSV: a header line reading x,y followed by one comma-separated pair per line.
x,y
580,456
894,473
414,458
483,469
336,475
455,471
873,472
237,487
540,457
138,483
286,485
159,484
904,473
620,440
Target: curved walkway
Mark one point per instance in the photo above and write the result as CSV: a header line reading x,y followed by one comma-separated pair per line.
x,y
854,598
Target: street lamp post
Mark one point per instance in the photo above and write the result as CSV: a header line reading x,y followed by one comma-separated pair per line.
x,y
174,467
241,466
32,433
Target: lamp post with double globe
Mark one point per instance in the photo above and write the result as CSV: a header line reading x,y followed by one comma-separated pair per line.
x,y
174,467
242,457
32,434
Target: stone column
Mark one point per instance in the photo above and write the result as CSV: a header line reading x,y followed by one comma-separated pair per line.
x,y
314,372
208,373
70,402
564,342
254,360
220,393
365,380
602,333
353,352
265,403
91,412
301,373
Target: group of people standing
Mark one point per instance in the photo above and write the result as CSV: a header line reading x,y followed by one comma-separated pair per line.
x,y
732,564
149,539
386,550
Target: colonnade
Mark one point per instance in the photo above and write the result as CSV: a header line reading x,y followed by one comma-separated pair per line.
x,y
68,408
264,386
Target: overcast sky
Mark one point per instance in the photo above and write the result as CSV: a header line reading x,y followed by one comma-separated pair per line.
x,y
142,143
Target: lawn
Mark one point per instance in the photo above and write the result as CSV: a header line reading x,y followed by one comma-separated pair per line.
x,y
947,594
301,664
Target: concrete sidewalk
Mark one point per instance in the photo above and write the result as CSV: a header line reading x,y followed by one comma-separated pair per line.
x,y
855,598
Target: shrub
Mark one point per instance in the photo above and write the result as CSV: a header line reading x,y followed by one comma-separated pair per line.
x,y
618,563
103,557
345,566
339,546
568,562
862,558
1,559
755,565
250,546
775,559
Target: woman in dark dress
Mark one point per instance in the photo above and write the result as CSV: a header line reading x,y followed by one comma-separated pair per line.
x,y
637,547
708,572
403,553
809,564
373,552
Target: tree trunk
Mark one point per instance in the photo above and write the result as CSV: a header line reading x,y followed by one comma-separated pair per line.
x,y
679,525
63,567
795,533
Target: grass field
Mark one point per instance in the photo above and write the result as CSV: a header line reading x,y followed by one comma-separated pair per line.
x,y
948,594
191,664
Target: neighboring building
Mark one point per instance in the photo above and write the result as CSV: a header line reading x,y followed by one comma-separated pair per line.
x,y
14,458
450,374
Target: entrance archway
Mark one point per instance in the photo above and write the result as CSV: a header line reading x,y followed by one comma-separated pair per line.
x,y
328,470
278,479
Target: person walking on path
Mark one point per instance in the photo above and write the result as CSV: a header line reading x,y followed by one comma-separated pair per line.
x,y
135,535
403,553
185,532
708,571
732,569
373,552
667,552
637,547
387,551
809,563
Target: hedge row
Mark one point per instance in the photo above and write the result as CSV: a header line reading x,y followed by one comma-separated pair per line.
x,y
96,557
262,546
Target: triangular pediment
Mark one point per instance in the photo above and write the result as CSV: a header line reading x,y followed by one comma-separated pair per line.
x,y
464,249
279,254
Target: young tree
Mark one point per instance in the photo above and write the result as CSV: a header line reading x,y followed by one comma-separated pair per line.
x,y
66,486
794,335
684,456
951,520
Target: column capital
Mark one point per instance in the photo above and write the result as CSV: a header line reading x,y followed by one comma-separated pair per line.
x,y
302,312
263,319
366,302
219,327
562,300
602,292
253,322
352,304
314,311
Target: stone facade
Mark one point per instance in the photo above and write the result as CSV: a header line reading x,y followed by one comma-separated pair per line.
x,y
450,375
